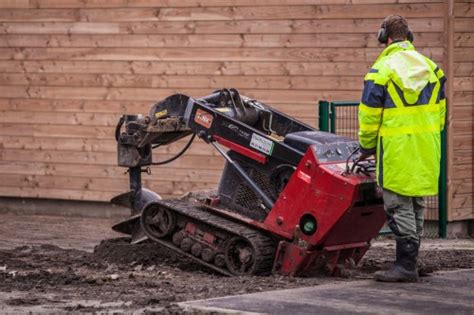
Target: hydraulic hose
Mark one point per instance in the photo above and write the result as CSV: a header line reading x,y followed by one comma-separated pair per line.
x,y
186,147
118,127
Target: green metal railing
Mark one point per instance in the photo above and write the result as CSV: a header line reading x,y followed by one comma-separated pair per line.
x,y
341,118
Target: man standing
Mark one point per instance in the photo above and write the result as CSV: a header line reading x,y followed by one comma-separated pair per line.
x,y
401,115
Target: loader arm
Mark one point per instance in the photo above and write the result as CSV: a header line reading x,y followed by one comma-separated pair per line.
x,y
237,119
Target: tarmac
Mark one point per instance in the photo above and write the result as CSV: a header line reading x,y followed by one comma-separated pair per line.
x,y
443,293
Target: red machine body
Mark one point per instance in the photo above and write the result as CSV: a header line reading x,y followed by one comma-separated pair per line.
x,y
345,221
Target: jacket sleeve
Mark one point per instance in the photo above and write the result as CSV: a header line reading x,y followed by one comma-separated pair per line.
x,y
370,110
442,97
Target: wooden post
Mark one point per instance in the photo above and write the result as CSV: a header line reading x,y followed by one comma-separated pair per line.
x,y
449,72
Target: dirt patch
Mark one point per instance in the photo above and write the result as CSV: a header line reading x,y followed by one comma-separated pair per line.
x,y
150,276
146,254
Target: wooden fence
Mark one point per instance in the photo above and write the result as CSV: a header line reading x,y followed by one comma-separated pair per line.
x,y
69,69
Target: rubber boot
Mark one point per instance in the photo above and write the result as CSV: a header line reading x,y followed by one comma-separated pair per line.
x,y
404,268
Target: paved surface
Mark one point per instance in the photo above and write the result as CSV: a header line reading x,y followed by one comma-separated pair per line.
x,y
445,293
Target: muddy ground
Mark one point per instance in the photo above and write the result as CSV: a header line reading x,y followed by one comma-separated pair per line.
x,y
119,276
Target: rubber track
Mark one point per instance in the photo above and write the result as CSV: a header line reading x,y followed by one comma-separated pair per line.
x,y
264,245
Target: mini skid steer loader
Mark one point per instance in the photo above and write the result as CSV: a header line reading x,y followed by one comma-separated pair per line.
x,y
290,200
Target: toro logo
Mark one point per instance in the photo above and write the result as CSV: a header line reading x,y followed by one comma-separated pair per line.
x,y
203,118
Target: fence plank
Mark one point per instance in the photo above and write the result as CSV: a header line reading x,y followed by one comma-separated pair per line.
x,y
226,13
463,112
97,184
94,145
463,69
464,54
103,158
462,157
212,54
98,119
284,26
68,194
461,202
151,95
462,171
464,83
189,68
464,39
159,173
464,10
122,107
463,142
462,186
463,127
463,97
299,12
203,82
218,40
463,25
18,4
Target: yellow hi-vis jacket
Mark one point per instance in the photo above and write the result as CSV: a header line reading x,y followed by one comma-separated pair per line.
x,y
401,115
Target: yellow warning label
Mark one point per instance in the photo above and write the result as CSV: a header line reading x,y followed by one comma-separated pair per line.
x,y
223,109
161,114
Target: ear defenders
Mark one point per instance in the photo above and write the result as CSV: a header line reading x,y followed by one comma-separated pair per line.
x,y
382,35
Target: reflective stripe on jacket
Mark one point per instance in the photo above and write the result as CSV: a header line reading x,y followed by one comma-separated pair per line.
x,y
401,114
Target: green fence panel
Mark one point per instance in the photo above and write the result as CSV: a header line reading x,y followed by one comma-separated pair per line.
x,y
443,188
324,115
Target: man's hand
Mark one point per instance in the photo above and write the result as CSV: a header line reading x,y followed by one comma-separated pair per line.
x,y
364,156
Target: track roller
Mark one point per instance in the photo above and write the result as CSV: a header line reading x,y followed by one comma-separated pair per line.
x,y
240,256
186,244
196,249
157,221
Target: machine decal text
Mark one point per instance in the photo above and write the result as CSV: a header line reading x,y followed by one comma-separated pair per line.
x,y
262,144
203,118
238,131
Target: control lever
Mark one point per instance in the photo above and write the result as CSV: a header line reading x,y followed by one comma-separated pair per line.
x,y
360,164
